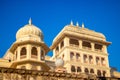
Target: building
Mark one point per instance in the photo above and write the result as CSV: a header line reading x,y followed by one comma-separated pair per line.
x,y
76,50
83,50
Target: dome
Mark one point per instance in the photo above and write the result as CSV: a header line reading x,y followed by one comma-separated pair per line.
x,y
59,62
29,30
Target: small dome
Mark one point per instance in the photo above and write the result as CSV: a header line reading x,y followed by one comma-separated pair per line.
x,y
29,30
59,62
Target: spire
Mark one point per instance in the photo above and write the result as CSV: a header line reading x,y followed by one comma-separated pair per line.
x,y
71,23
77,24
30,21
83,25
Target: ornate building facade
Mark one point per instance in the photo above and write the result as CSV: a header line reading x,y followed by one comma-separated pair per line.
x,y
82,50
77,52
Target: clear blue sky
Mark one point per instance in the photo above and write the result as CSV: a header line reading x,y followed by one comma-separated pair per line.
x,y
52,15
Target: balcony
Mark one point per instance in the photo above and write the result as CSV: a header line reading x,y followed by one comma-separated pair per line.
x,y
73,45
34,56
98,50
23,56
88,48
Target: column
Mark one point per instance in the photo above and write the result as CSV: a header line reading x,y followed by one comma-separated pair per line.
x,y
92,46
38,54
80,44
28,51
107,62
82,68
66,55
94,59
82,58
95,70
104,48
54,52
66,41
18,53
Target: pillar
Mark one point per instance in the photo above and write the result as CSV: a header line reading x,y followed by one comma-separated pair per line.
x,y
92,46
18,53
66,41
28,51
80,44
104,48
38,54
82,58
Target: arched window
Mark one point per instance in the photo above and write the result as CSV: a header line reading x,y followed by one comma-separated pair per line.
x,y
79,69
98,72
57,50
23,52
104,73
90,59
42,55
97,60
91,71
77,56
62,44
86,70
73,69
103,61
71,55
85,58
34,52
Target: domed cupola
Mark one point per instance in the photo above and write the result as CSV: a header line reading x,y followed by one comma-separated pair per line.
x,y
29,32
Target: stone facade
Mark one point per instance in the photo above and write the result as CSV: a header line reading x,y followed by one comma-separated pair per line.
x,y
78,53
83,50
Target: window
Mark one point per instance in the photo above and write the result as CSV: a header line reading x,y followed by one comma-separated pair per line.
x,y
97,61
86,44
98,47
90,59
104,73
86,70
34,52
79,69
98,72
91,71
42,55
57,49
74,42
73,69
77,56
62,44
103,61
71,55
85,58
23,52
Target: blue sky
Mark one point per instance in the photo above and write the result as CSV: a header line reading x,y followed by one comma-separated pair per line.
x,y
52,15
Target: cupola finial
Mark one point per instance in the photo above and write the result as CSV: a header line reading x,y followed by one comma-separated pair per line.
x,y
83,25
30,21
71,23
77,24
